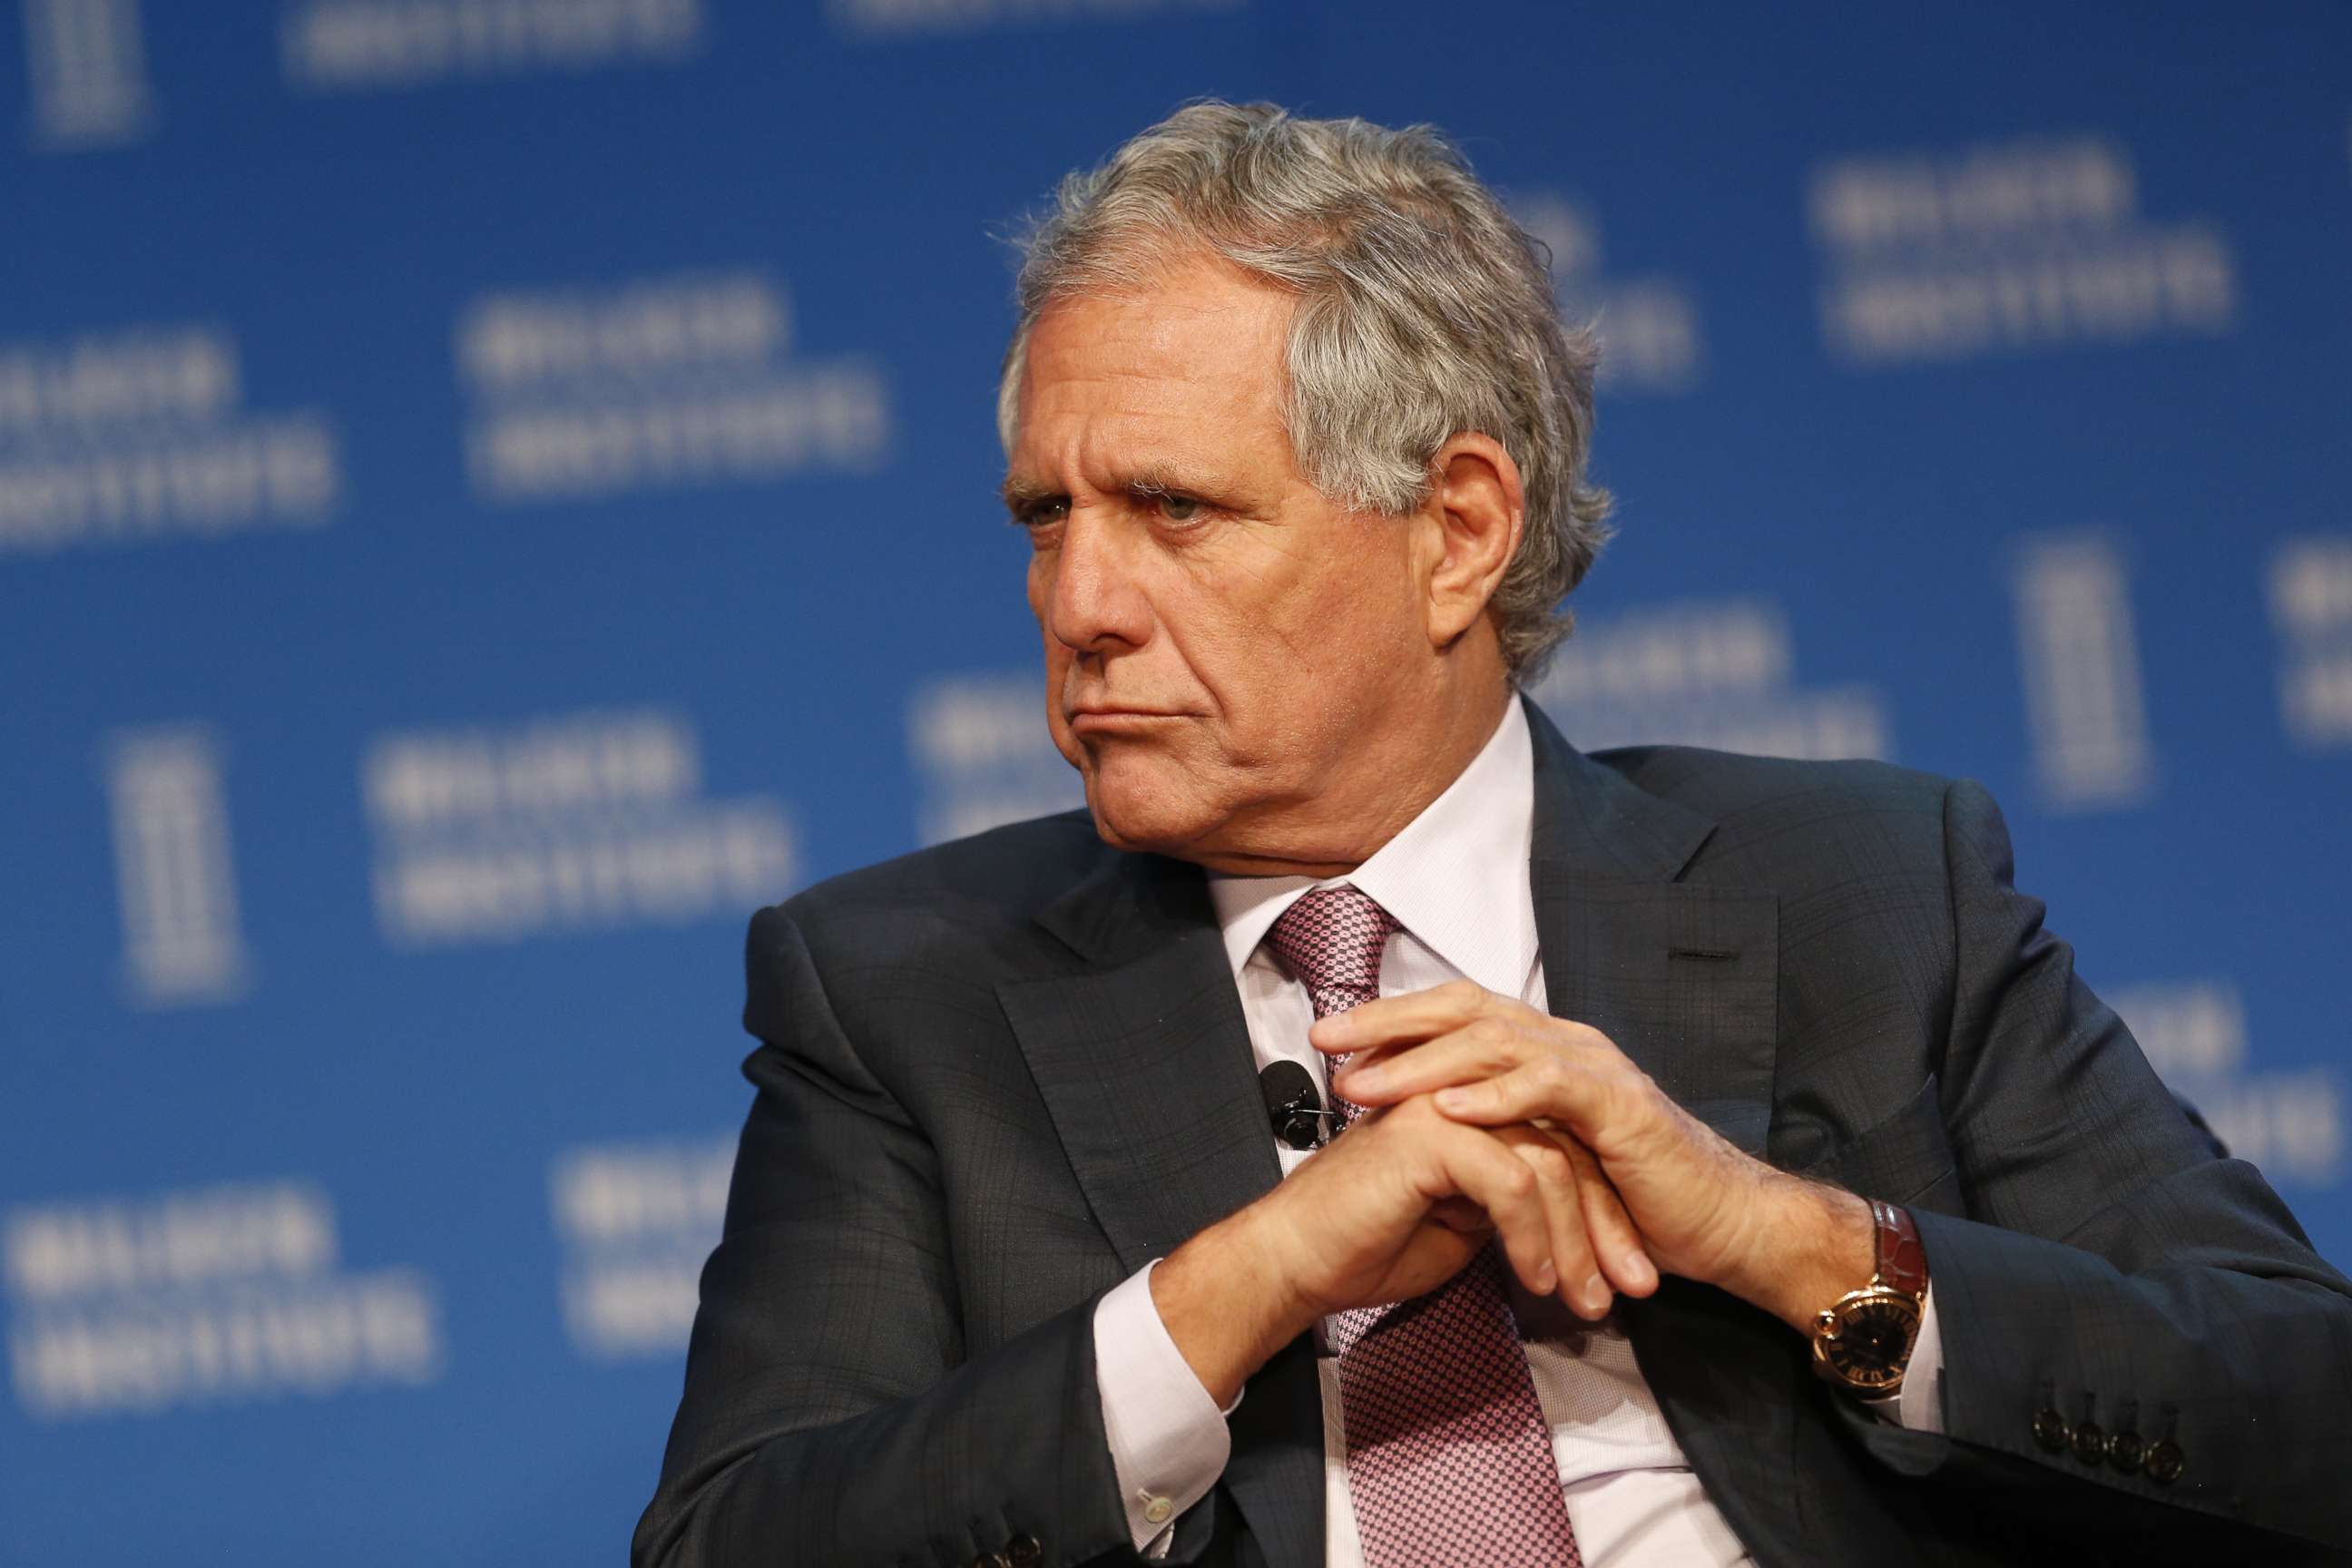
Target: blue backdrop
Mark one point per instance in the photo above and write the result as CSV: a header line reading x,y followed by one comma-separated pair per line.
x,y
493,491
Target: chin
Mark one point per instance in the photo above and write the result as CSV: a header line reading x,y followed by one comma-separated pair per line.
x,y
1140,806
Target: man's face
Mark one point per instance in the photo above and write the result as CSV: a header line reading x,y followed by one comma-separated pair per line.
x,y
1224,648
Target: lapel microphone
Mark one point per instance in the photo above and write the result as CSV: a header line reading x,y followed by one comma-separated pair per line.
x,y
1294,1109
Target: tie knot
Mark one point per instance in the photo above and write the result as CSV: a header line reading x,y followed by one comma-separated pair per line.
x,y
1331,940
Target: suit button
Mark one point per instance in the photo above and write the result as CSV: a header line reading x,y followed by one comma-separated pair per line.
x,y
2124,1450
2164,1461
1024,1552
2050,1429
2090,1443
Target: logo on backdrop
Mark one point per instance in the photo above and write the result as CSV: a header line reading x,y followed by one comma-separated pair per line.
x,y
88,69
2084,702
587,821
356,46
653,386
983,755
2007,247
1718,673
181,944
121,436
2194,1034
1648,326
202,1295
2311,611
971,15
637,1221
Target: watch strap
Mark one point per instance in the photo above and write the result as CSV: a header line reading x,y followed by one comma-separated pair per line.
x,y
1902,1261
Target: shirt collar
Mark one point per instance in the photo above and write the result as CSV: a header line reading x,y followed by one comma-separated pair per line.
x,y
1455,876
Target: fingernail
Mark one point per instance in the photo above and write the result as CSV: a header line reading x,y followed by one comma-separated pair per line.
x,y
1453,1099
1595,1296
1638,1269
1546,1280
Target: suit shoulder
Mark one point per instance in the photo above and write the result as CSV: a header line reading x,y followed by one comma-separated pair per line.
x,y
1822,813
1726,782
999,878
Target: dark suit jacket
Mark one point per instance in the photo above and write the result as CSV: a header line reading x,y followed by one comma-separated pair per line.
x,y
1000,1075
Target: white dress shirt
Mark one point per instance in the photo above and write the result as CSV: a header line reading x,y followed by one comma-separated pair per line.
x,y
1456,880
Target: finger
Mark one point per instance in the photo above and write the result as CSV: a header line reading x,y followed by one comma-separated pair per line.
x,y
1463,1215
1485,1172
1483,1048
1617,1242
1416,1016
1567,1092
1580,1283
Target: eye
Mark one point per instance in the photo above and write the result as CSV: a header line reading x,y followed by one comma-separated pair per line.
x,y
1180,509
1037,514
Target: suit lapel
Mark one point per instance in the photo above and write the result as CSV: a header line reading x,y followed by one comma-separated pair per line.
x,y
1682,979
1143,1058
1144,1062
1685,980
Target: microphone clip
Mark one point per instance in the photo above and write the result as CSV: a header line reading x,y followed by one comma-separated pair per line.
x,y
1294,1110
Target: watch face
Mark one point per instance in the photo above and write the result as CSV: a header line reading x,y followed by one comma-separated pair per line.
x,y
1872,1343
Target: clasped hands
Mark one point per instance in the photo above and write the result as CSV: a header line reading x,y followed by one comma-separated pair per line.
x,y
1487,1118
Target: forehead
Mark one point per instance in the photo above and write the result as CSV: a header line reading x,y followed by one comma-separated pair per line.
x,y
1190,367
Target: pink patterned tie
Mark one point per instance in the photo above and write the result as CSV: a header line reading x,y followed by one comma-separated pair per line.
x,y
1449,1458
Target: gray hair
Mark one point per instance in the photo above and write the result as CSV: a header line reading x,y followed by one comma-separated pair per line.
x,y
1422,311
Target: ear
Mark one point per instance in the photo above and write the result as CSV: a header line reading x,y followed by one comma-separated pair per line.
x,y
1471,522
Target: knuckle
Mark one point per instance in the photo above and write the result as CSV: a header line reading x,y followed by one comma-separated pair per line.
x,y
1493,1038
1464,993
1549,1163
1642,1092
1519,1181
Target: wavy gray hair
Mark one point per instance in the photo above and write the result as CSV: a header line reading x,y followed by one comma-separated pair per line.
x,y
1422,311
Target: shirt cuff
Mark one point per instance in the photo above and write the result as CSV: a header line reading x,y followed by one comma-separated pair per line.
x,y
1918,1405
1168,1438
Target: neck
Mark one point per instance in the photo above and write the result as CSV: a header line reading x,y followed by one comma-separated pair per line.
x,y
1350,826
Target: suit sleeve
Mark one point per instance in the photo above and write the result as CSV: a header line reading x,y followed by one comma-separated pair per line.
x,y
2109,1268
831,1413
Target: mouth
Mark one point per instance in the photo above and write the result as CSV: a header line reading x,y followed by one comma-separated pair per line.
x,y
1113,720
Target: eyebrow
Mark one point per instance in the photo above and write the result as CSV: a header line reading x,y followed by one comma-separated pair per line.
x,y
1019,495
1159,480
1152,478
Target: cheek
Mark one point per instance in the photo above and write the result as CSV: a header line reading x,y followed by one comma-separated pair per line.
x,y
1040,584
1350,641
1057,669
1351,611
1242,660
1035,583
1375,613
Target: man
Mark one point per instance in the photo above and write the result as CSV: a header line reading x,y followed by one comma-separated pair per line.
x,y
1732,1168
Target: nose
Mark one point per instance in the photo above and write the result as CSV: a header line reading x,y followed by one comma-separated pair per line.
x,y
1093,602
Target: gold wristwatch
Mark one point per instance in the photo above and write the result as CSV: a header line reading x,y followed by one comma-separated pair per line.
x,y
1863,1343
